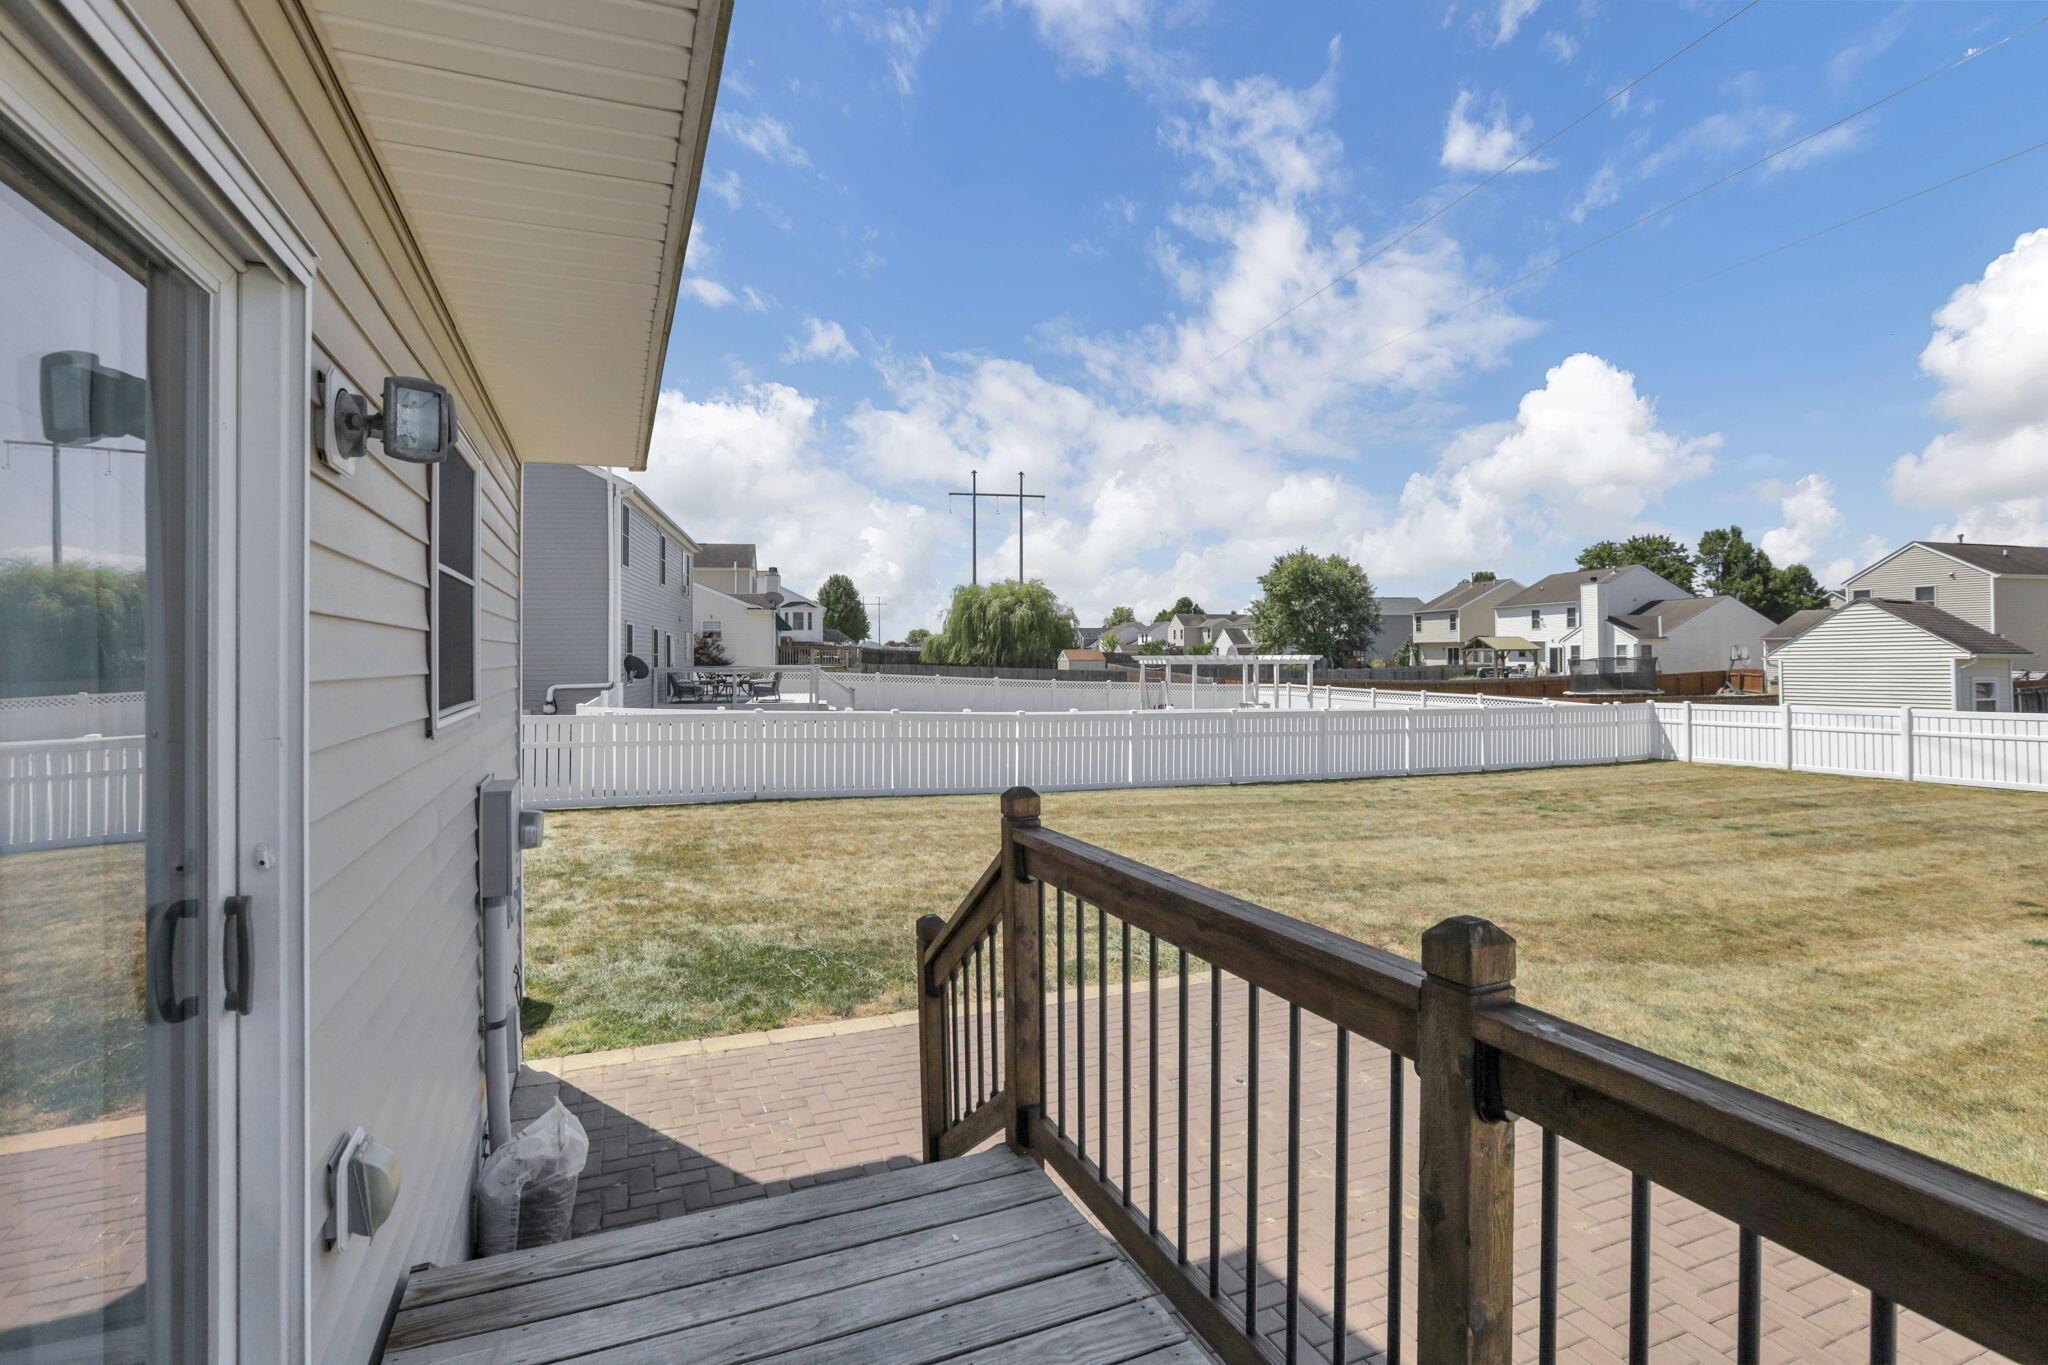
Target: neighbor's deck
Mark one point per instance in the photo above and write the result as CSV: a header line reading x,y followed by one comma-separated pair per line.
x,y
980,1259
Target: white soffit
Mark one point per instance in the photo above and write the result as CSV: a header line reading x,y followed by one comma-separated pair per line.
x,y
546,157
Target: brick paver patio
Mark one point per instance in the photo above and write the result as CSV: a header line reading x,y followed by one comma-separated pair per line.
x,y
676,1129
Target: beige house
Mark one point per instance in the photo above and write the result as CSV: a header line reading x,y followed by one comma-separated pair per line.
x,y
1999,588
1447,621
1877,652
229,229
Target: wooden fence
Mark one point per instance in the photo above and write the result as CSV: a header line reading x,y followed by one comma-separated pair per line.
x,y
994,1057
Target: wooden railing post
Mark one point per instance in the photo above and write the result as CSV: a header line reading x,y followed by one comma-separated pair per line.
x,y
1021,954
1467,1169
931,1039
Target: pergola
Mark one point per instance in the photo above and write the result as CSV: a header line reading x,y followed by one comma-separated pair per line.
x,y
1248,677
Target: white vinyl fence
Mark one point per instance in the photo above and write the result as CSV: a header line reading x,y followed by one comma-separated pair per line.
x,y
67,792
70,714
663,757
1970,748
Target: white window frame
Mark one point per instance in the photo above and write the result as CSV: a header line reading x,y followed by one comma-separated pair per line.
x,y
99,101
1983,694
1927,589
441,718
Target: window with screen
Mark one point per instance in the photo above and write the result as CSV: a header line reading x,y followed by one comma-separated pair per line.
x,y
454,676
1923,595
664,559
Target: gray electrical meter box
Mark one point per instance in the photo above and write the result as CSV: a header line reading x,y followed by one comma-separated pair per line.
x,y
503,831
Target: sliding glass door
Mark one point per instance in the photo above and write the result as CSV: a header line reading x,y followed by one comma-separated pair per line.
x,y
107,729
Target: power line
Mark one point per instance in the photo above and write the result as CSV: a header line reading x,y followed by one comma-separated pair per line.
x,y
1711,185
1849,221
1396,240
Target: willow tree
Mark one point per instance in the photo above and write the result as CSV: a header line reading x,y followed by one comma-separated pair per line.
x,y
1003,625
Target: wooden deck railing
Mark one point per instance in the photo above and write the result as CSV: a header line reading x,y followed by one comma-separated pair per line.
x,y
1966,1252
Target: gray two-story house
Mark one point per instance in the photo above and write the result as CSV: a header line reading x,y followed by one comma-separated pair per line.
x,y
607,576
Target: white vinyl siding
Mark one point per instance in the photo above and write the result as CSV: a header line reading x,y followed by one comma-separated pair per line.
x,y
1863,656
1959,589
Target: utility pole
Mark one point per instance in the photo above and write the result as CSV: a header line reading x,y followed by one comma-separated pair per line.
x,y
875,625
974,495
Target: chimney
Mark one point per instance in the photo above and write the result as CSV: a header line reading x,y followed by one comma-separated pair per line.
x,y
1959,537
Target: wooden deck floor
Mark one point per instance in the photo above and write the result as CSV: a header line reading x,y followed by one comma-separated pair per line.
x,y
981,1259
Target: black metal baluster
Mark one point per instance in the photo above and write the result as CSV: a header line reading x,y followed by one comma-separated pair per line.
x,y
1081,1028
1180,1166
1884,1331
1749,1298
1396,1140
1215,1127
1293,1178
1340,1216
1102,1039
979,1094
1152,1086
1124,949
1639,1270
1251,1163
1059,967
1546,1294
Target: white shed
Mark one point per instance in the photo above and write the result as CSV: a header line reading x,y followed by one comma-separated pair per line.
x,y
1879,653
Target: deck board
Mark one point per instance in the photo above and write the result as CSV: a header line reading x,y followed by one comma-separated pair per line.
x,y
981,1259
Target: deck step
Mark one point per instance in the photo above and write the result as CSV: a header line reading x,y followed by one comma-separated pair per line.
x,y
979,1259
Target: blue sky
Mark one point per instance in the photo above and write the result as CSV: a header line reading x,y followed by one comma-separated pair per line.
x,y
1027,234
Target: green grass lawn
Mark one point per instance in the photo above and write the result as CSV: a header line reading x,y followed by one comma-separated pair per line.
x,y
1870,950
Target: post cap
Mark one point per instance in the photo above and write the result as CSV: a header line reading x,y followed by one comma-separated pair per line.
x,y
1021,804
929,927
1469,951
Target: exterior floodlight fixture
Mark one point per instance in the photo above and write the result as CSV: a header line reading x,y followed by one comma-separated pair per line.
x,y
417,424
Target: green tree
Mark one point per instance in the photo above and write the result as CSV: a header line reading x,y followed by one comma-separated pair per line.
x,y
843,610
708,651
1006,625
917,636
1731,565
1483,576
1154,647
70,628
1661,555
1118,616
1314,604
1185,606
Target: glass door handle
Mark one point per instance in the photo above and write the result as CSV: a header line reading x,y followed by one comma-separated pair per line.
x,y
238,962
171,1007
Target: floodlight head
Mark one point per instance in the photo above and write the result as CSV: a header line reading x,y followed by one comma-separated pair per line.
x,y
418,422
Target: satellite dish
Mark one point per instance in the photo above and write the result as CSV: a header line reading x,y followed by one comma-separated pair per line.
x,y
636,668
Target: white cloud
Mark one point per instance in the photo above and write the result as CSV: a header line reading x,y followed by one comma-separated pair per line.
x,y
1485,147
1602,190
1090,35
1508,19
904,34
1259,132
708,292
1847,64
1989,353
822,340
1833,142
726,187
1561,45
765,136
1584,455
1811,520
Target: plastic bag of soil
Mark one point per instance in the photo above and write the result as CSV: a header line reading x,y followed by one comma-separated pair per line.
x,y
526,1194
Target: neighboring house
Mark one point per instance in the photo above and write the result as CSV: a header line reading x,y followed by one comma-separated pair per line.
x,y
1397,627
1444,623
1083,661
1877,652
269,208
1629,613
1185,631
2000,588
729,567
1233,641
1126,636
798,619
743,624
1088,636
1787,630
608,575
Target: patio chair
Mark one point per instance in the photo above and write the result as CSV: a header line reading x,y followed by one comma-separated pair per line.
x,y
765,689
